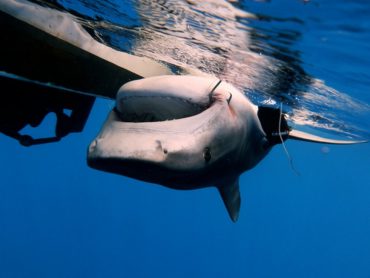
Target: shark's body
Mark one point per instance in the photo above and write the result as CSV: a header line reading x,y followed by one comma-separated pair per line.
x,y
189,132
177,132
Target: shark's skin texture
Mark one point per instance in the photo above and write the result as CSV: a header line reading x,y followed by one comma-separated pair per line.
x,y
189,132
210,148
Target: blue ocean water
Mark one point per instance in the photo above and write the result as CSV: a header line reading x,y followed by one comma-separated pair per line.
x,y
59,218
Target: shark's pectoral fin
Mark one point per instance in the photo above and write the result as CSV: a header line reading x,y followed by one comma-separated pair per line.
x,y
231,196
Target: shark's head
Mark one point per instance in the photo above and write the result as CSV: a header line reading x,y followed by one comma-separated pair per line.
x,y
179,131
188,132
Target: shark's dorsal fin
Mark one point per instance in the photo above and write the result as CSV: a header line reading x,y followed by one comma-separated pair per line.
x,y
231,196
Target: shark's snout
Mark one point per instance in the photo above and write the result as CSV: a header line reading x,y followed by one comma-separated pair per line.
x,y
94,157
92,146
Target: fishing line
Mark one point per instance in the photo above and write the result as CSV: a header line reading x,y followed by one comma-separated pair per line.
x,y
290,159
212,91
214,88
44,84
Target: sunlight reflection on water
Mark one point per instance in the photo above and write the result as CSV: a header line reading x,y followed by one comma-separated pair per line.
x,y
257,53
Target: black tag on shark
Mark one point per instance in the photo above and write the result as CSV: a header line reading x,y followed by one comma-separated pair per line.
x,y
274,124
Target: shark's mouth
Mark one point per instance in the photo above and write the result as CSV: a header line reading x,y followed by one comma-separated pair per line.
x,y
149,108
157,99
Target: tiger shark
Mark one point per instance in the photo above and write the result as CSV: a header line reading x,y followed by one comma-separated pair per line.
x,y
189,132
183,132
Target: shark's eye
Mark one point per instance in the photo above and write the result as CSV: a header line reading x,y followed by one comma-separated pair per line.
x,y
207,154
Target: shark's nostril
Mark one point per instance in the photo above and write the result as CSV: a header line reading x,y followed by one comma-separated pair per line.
x,y
207,154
